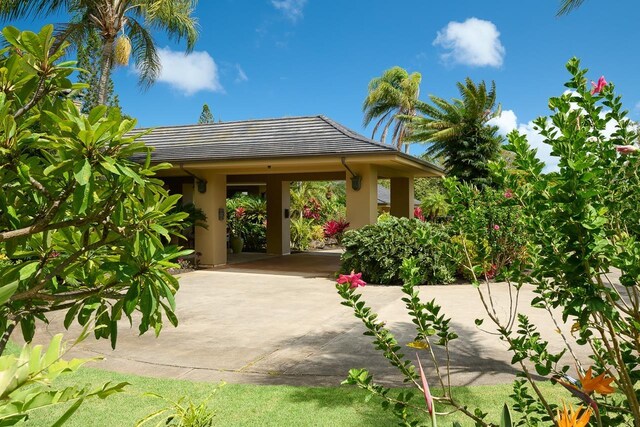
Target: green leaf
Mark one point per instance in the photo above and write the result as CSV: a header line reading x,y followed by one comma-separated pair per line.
x,y
7,291
69,412
505,420
82,172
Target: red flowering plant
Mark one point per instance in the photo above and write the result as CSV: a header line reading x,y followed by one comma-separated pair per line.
x,y
237,222
335,229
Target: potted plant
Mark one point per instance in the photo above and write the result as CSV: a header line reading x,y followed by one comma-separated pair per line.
x,y
237,224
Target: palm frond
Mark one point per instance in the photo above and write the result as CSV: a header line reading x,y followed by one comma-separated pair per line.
x,y
144,53
567,6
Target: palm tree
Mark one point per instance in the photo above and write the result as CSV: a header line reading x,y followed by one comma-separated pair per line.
x,y
392,99
124,27
567,6
458,131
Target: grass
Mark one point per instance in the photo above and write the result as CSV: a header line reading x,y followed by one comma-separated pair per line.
x,y
250,405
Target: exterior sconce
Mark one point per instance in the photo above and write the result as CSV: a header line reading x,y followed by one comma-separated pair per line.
x,y
356,180
286,214
201,183
221,214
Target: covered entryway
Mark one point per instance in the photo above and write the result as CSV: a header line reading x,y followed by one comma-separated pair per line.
x,y
273,153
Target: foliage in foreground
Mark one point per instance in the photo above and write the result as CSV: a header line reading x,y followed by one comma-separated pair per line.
x,y
583,229
83,227
26,383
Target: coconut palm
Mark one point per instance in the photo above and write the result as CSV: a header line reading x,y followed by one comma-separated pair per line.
x,y
567,6
124,27
458,131
393,99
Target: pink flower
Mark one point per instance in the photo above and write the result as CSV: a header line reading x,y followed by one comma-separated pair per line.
x,y
417,213
425,388
496,227
597,87
508,194
353,279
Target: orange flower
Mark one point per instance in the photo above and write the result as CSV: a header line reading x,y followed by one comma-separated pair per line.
x,y
599,384
569,418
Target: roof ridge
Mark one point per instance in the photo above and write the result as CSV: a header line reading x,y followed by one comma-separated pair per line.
x,y
230,122
351,134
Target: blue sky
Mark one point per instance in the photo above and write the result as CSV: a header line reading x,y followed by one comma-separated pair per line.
x,y
274,58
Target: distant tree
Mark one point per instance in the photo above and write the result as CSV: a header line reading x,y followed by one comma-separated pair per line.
x,y
89,60
123,25
393,100
206,116
458,131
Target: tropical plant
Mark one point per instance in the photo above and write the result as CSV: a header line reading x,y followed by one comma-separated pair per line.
x,y
206,116
26,383
335,228
301,233
123,25
181,413
377,250
393,100
458,131
87,228
251,225
583,264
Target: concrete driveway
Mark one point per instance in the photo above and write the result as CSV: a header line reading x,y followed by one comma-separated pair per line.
x,y
246,325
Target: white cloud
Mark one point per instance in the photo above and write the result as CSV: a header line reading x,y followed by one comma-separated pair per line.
x,y
292,9
242,76
474,42
508,121
189,73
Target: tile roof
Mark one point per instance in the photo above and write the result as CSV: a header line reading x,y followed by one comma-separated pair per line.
x,y
264,138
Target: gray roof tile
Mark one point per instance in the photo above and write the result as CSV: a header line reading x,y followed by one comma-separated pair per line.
x,y
265,138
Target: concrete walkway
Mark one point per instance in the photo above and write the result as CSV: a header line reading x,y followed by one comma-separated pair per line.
x,y
255,323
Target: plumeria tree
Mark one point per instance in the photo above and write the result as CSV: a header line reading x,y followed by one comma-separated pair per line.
x,y
83,227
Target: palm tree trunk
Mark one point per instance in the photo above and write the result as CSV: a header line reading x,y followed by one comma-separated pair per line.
x,y
105,71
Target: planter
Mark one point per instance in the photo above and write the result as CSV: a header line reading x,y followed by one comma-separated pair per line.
x,y
236,244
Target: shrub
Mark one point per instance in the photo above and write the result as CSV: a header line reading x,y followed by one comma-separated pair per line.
x,y
492,224
379,249
301,233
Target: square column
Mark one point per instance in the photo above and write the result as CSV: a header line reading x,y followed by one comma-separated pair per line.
x,y
278,222
212,242
362,205
402,197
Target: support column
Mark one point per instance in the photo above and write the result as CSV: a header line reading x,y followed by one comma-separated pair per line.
x,y
278,223
362,205
212,243
402,197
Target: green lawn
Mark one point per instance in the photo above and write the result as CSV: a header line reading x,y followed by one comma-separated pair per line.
x,y
250,405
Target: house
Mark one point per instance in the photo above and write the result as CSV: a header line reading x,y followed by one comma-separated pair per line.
x,y
274,152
